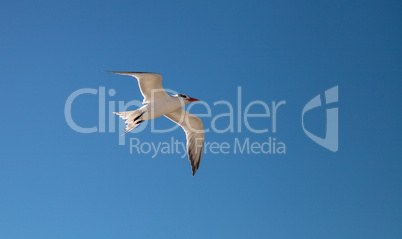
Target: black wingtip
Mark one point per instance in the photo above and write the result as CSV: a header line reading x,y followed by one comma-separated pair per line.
x,y
129,72
109,72
194,169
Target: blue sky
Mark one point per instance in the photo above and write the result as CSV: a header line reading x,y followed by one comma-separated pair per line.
x,y
58,183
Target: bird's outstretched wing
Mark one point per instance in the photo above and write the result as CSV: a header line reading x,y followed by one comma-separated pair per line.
x,y
194,129
150,84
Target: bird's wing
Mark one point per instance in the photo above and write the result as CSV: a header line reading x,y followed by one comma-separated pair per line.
x,y
194,129
150,84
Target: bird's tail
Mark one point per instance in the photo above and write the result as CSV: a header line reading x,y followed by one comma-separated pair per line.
x,y
133,118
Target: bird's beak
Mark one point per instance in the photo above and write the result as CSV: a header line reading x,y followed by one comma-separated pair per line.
x,y
193,99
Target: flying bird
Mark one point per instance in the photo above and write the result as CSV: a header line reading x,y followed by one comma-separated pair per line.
x,y
157,103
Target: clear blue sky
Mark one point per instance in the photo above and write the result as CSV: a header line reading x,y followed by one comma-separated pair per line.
x,y
58,183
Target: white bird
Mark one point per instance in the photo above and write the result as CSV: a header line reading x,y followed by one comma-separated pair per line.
x,y
159,103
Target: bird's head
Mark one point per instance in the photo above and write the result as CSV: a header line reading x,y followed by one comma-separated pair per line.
x,y
187,99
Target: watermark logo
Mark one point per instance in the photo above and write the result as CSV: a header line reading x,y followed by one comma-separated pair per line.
x,y
233,119
330,141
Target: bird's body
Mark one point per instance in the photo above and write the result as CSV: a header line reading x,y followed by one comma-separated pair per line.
x,y
159,103
162,107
